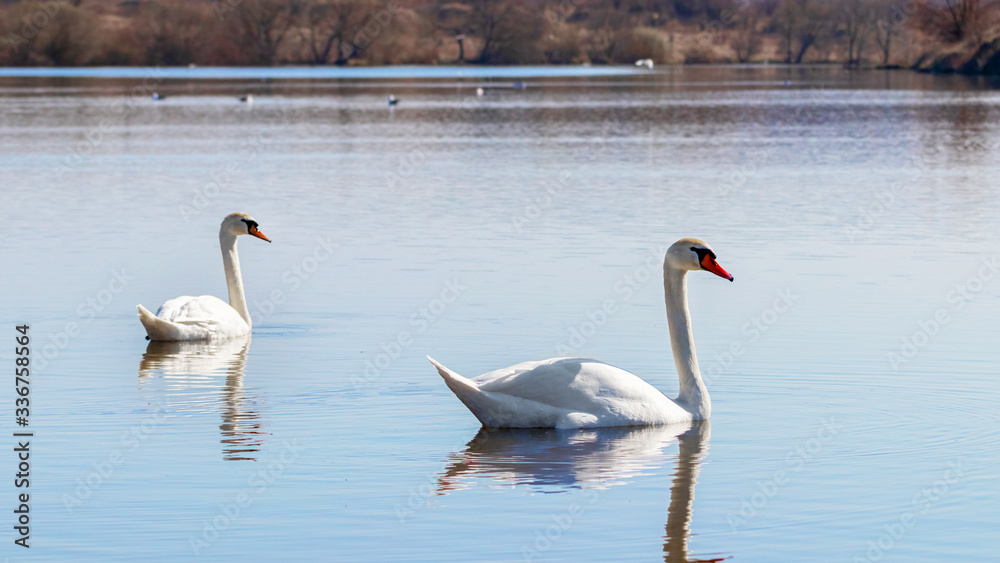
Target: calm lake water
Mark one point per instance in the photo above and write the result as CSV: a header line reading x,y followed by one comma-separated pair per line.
x,y
853,363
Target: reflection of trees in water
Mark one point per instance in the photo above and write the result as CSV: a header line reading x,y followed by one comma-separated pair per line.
x,y
560,460
959,132
189,371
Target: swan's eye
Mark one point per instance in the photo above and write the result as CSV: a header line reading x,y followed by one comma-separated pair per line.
x,y
702,252
251,225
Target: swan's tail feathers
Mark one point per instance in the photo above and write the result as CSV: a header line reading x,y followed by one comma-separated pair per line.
x,y
477,401
498,410
455,382
156,328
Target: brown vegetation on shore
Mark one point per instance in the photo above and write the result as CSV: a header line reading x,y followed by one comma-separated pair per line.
x,y
939,35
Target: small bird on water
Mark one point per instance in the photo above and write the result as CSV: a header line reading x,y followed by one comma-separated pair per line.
x,y
392,100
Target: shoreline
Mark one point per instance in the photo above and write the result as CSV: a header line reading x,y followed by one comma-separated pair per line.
x,y
927,64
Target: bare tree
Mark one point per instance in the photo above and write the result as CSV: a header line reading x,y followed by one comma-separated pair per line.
x,y
606,23
172,35
813,28
48,33
855,19
786,20
888,18
502,25
453,18
802,25
745,36
328,26
261,26
506,29
953,20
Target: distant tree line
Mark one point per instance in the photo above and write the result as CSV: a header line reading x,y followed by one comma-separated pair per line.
x,y
341,32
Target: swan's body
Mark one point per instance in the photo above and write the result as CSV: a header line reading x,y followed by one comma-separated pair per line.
x,y
562,393
580,393
207,317
193,318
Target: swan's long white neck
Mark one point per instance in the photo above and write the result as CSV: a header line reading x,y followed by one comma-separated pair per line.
x,y
234,279
694,395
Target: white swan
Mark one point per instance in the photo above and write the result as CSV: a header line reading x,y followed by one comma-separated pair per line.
x,y
208,317
581,393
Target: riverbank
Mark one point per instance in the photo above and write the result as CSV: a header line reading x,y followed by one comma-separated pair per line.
x,y
361,33
983,60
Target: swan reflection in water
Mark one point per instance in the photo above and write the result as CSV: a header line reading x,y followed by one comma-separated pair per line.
x,y
556,460
190,373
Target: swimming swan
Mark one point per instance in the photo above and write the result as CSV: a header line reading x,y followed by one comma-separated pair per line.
x,y
582,393
208,317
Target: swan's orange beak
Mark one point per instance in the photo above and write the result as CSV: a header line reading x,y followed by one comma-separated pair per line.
x,y
258,234
711,265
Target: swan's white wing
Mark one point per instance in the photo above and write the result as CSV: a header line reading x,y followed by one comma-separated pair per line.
x,y
563,392
577,384
202,309
193,318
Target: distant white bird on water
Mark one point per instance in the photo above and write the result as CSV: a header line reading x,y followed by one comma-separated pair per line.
x,y
158,97
392,100
208,317
480,91
648,63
